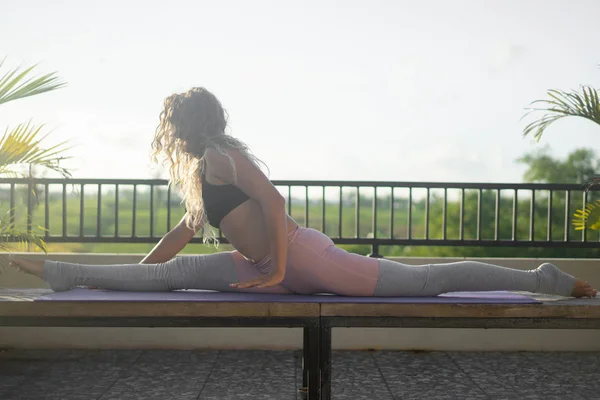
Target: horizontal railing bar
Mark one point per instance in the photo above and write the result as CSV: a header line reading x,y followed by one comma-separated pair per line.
x,y
389,184
79,181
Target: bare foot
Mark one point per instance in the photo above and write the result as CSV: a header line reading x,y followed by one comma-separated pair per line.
x,y
31,267
583,289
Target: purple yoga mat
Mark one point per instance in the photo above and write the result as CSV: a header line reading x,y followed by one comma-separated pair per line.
x,y
81,294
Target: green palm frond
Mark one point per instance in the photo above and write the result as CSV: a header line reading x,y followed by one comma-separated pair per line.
x,y
564,104
23,146
21,238
588,218
17,83
11,237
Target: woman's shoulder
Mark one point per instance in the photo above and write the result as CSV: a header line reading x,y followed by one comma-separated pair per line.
x,y
222,155
220,161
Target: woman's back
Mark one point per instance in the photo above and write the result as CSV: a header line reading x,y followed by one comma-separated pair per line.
x,y
244,226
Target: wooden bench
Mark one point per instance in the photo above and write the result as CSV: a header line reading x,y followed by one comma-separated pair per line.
x,y
18,308
550,314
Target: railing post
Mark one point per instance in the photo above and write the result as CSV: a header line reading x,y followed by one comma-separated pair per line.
x,y
29,203
375,251
30,187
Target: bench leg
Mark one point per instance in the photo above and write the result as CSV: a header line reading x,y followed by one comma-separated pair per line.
x,y
325,362
311,353
305,357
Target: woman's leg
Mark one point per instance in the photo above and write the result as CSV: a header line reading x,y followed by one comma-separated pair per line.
x,y
206,272
396,279
316,265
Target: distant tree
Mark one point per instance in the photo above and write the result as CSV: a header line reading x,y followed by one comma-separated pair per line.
x,y
561,104
580,165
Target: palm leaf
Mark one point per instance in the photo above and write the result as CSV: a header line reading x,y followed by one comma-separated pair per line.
x,y
17,83
11,236
588,218
23,146
584,104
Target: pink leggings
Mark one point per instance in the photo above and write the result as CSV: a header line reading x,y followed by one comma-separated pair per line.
x,y
315,265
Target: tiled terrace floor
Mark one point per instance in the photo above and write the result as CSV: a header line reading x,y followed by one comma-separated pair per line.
x,y
212,375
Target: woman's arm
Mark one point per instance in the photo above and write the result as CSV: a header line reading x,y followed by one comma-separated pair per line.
x,y
171,244
257,186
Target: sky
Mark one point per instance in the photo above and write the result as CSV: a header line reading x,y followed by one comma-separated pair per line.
x,y
329,90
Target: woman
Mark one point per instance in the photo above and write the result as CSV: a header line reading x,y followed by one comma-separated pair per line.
x,y
222,185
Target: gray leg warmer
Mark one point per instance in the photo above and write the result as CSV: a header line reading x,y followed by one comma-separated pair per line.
x,y
207,272
396,279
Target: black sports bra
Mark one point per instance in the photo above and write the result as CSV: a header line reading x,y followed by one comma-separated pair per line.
x,y
220,200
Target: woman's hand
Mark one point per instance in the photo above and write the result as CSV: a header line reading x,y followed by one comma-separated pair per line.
x,y
268,280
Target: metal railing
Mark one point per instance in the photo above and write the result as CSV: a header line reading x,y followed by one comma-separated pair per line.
x,y
350,212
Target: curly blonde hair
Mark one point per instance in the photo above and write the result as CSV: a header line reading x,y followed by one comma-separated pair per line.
x,y
190,123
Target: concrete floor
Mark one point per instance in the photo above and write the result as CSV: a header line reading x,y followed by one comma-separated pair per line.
x,y
224,375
